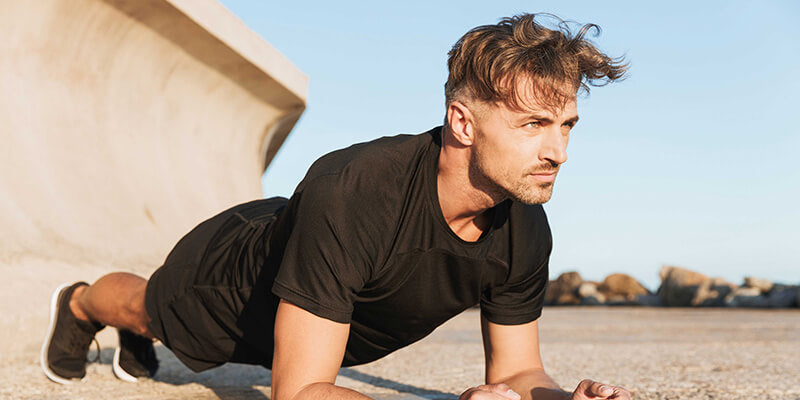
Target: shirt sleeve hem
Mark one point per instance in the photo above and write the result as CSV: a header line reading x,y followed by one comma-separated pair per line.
x,y
307,303
511,319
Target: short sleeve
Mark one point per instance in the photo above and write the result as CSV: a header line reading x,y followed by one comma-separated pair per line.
x,y
517,302
520,298
318,271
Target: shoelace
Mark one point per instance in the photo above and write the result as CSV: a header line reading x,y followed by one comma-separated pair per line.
x,y
97,357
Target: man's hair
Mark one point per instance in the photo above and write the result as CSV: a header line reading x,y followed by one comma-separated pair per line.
x,y
489,61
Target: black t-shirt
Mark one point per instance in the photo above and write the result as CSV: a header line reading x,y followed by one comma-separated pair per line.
x,y
363,241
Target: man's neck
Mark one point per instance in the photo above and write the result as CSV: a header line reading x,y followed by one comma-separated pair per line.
x,y
463,206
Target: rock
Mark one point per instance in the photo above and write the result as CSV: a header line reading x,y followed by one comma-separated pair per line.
x,y
712,293
762,284
622,285
570,279
679,286
747,297
723,287
587,289
748,302
649,300
594,299
797,298
567,299
563,290
549,298
706,297
782,296
619,300
745,291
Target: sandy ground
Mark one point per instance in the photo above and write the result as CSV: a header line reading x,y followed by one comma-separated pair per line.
x,y
656,353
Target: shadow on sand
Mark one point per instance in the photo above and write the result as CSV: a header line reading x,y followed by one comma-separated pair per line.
x,y
228,382
394,385
249,382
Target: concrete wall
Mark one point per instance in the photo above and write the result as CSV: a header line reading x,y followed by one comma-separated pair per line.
x,y
122,125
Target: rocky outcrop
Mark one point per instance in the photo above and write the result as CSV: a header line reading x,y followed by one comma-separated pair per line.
x,y
622,286
617,289
762,293
783,296
679,287
761,284
750,297
564,290
587,289
649,300
712,293
595,299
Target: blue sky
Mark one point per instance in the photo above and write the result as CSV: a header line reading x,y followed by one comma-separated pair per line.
x,y
692,161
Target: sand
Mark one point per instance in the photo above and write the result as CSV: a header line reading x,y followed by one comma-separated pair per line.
x,y
656,353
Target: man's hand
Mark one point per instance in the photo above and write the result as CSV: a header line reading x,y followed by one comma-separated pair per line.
x,y
589,390
499,391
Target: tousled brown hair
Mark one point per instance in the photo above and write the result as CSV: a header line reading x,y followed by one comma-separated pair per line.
x,y
489,61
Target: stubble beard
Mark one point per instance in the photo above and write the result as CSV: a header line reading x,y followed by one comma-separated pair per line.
x,y
505,185
540,193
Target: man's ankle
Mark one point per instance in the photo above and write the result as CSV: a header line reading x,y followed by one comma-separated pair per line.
x,y
75,304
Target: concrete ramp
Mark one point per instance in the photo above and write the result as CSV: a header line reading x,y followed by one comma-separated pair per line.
x,y
122,125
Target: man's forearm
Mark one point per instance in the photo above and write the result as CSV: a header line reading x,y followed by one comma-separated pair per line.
x,y
536,385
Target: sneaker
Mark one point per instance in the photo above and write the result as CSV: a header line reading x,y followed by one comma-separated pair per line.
x,y
134,358
63,356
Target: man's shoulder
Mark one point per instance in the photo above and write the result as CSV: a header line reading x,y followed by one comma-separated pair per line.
x,y
384,161
358,194
374,156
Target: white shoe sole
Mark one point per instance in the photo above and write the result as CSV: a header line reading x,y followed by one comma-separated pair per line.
x,y
43,357
119,372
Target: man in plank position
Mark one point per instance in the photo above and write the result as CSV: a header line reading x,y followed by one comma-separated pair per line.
x,y
380,243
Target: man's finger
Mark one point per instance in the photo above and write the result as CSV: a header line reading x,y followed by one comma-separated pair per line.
x,y
504,390
620,393
501,389
595,390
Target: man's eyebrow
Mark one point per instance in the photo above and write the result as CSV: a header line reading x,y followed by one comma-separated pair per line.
x,y
538,117
545,118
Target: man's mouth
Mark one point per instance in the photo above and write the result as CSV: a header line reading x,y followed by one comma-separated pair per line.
x,y
545,176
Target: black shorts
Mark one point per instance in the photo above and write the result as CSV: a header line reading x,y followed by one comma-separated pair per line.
x,y
210,303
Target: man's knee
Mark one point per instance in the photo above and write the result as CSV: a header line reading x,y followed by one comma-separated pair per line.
x,y
138,312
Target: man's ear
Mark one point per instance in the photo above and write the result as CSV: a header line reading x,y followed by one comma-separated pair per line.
x,y
461,122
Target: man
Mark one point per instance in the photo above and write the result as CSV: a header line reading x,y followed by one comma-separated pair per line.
x,y
381,243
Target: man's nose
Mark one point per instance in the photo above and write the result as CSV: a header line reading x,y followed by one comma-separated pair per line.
x,y
554,146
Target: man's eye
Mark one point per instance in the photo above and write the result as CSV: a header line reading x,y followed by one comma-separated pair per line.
x,y
534,124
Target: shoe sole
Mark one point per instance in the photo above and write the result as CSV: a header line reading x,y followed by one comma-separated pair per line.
x,y
119,372
43,357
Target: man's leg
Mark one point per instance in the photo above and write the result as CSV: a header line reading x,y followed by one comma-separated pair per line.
x,y
79,311
117,300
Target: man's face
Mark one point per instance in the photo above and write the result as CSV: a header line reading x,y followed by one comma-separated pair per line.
x,y
517,154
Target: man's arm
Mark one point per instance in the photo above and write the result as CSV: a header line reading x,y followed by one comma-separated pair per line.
x,y
307,356
512,357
